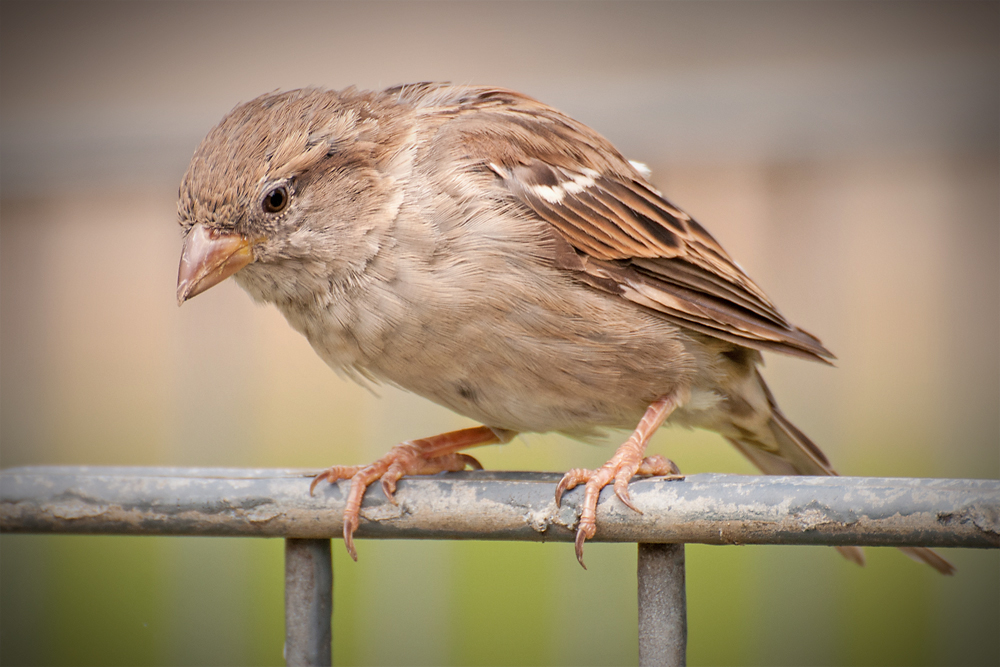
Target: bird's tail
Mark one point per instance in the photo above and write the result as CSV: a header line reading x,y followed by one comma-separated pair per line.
x,y
785,450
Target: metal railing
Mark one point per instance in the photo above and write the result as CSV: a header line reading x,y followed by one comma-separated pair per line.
x,y
704,508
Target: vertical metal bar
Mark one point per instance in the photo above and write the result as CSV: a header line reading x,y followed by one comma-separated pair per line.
x,y
662,605
308,602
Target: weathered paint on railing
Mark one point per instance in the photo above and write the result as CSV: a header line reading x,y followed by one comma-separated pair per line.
x,y
703,508
712,509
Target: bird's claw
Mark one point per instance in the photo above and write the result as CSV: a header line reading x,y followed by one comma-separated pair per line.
x,y
621,490
570,480
404,459
583,534
621,470
350,525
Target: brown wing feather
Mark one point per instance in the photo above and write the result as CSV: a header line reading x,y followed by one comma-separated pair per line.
x,y
677,270
643,248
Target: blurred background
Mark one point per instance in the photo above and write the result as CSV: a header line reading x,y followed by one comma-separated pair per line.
x,y
845,153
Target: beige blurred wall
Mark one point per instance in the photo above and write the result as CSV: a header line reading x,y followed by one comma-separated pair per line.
x,y
846,154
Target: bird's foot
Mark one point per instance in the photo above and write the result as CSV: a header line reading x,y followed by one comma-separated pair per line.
x,y
426,456
626,463
621,468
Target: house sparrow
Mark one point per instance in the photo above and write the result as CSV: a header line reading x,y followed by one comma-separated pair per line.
x,y
497,257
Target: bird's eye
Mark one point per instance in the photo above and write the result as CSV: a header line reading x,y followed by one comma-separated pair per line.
x,y
276,200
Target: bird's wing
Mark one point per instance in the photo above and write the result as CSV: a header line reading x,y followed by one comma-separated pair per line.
x,y
624,237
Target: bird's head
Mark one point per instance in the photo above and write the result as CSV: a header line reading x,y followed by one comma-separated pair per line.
x,y
287,189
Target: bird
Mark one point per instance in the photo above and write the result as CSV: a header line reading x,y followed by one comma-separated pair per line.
x,y
483,250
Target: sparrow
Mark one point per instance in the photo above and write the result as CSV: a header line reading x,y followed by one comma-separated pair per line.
x,y
487,252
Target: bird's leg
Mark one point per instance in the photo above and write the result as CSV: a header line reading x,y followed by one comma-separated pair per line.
x,y
425,456
626,463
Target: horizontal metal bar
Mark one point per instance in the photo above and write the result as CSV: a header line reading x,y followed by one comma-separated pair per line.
x,y
705,508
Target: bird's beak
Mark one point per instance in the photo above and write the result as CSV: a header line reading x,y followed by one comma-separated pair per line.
x,y
208,258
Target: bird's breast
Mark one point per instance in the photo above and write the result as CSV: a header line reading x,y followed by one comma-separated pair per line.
x,y
553,355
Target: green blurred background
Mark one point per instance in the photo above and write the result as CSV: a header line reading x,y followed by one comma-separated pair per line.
x,y
845,153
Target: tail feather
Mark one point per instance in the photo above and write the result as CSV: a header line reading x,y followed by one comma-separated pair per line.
x,y
789,452
931,557
854,554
